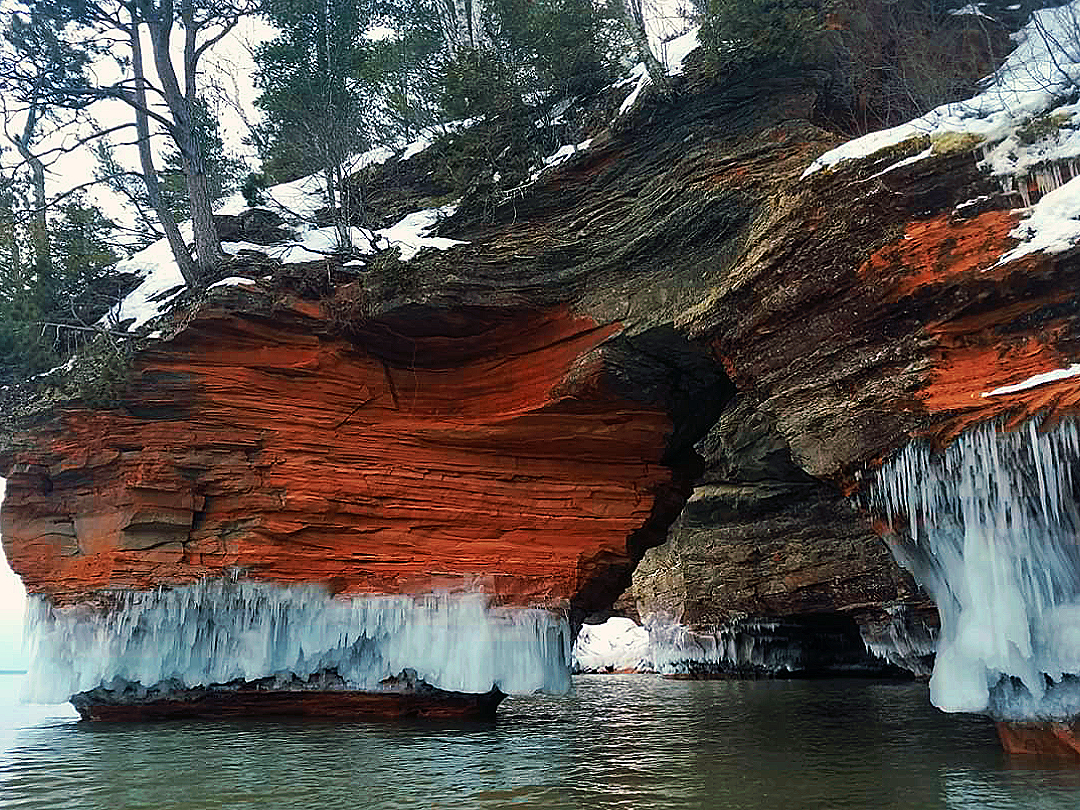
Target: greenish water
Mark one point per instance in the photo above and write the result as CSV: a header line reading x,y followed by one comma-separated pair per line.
x,y
633,742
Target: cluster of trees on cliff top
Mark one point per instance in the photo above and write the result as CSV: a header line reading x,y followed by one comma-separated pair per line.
x,y
127,82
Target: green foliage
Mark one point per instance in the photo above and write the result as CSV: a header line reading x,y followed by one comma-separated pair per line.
x,y
323,82
85,284
252,189
101,376
308,78
566,47
14,244
223,171
223,174
44,313
737,33
479,82
404,71
44,56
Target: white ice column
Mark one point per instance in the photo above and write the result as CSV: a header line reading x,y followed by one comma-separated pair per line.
x,y
217,631
990,530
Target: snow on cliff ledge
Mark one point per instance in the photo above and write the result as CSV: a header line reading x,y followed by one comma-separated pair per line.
x,y
296,201
1028,123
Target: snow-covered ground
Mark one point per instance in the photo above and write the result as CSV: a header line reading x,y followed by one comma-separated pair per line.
x,y
297,202
1025,123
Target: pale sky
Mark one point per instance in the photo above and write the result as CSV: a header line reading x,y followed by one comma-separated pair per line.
x,y
12,609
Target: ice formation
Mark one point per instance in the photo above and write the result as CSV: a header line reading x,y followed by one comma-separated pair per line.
x,y
992,536
902,640
618,644
739,646
217,631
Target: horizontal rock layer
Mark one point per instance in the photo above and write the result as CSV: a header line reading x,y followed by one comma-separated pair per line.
x,y
515,414
482,451
866,306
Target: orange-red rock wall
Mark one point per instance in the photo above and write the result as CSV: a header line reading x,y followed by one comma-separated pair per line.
x,y
490,458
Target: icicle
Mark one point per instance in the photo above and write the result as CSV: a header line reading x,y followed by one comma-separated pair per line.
x,y
1025,191
993,525
740,645
217,631
902,640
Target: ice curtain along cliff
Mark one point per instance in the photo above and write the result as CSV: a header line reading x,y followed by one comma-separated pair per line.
x,y
677,350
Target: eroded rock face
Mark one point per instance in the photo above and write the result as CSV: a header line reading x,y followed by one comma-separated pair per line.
x,y
518,415
760,541
868,306
481,452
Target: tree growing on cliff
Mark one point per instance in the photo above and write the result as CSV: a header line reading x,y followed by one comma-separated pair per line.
x,y
164,98
44,317
34,57
223,175
788,32
877,62
317,114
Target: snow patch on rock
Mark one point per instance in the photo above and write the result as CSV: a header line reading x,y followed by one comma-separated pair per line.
x,y
617,645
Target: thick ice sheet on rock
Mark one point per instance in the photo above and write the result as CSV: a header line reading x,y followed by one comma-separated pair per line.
x,y
741,645
217,631
617,644
994,524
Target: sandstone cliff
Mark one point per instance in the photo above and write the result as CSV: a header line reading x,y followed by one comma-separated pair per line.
x,y
673,330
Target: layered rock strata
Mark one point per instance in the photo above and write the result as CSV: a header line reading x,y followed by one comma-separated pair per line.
x,y
518,416
392,463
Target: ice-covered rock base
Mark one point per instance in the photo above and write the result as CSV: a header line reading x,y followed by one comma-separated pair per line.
x,y
617,645
903,639
222,632
825,644
989,528
323,694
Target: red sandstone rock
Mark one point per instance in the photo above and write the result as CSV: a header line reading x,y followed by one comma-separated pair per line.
x,y
266,447
205,704
488,415
1055,741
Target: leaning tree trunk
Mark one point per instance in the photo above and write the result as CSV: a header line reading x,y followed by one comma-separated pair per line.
x,y
207,242
181,108
634,23
188,268
39,229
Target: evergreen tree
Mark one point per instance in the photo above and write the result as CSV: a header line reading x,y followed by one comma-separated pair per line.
x,y
166,108
736,33
315,105
38,311
83,255
570,46
405,69
34,58
223,171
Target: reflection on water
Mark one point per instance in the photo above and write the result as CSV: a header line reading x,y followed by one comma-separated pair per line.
x,y
632,742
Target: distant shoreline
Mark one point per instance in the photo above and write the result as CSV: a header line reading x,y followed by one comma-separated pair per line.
x,y
12,671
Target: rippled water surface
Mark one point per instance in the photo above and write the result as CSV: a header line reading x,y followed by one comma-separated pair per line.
x,y
617,742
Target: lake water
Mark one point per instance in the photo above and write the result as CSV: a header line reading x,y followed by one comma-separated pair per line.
x,y
636,742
